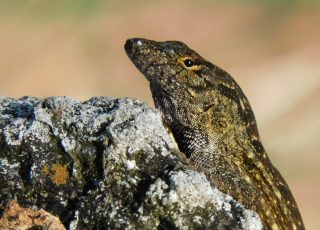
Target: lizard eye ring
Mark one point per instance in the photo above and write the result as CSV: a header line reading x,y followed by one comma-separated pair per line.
x,y
189,64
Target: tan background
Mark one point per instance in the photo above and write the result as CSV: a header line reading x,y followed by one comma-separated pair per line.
x,y
75,48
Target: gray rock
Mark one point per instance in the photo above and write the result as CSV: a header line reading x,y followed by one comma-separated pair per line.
x,y
106,164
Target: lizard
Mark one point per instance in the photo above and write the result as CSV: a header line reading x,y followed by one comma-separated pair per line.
x,y
214,126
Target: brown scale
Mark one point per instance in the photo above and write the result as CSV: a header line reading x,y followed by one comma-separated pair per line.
x,y
214,126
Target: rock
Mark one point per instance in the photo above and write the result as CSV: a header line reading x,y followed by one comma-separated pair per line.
x,y
105,164
16,217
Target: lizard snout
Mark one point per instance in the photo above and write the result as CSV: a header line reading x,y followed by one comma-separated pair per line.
x,y
128,46
132,44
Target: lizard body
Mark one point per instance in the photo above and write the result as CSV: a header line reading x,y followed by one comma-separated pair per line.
x,y
214,126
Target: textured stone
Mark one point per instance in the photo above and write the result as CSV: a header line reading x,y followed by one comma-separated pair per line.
x,y
108,164
16,217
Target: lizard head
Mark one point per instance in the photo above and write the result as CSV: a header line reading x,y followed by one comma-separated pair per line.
x,y
190,91
178,71
171,64
180,76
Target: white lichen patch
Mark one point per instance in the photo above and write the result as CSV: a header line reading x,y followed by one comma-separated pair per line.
x,y
13,133
68,144
132,130
131,164
197,219
38,131
10,171
6,165
251,220
190,191
43,115
157,191
74,223
194,190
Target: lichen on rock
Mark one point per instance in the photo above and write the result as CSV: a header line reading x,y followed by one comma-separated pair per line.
x,y
105,163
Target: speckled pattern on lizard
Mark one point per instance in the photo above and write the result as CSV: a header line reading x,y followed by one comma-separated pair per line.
x,y
214,126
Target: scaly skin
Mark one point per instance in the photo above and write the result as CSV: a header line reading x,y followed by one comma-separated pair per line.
x,y
214,126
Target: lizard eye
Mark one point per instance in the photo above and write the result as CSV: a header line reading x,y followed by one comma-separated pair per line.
x,y
188,63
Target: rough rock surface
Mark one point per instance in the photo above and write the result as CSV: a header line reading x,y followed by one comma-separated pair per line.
x,y
16,217
105,164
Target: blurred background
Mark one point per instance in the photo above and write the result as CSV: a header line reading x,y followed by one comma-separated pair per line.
x,y
272,48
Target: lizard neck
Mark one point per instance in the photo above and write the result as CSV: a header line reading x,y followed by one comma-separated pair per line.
x,y
202,124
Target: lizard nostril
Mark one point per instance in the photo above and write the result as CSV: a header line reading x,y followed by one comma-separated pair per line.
x,y
128,46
